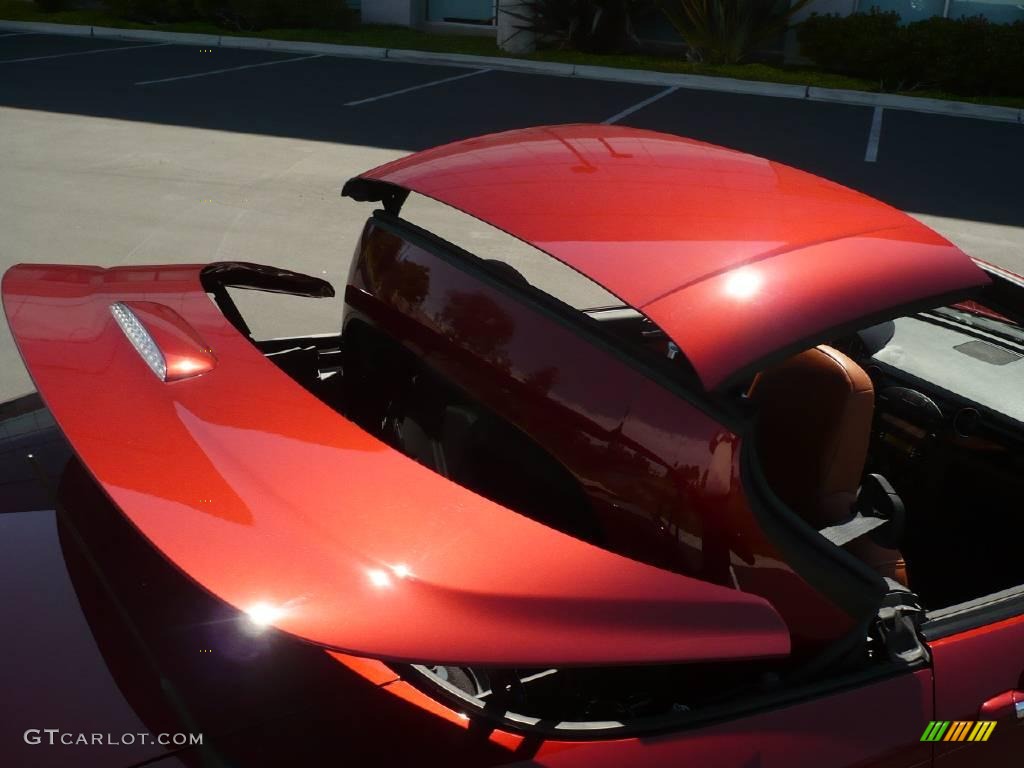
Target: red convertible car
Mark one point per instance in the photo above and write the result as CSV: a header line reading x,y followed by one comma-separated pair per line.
x,y
762,507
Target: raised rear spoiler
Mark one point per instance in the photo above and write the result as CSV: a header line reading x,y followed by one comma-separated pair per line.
x,y
288,511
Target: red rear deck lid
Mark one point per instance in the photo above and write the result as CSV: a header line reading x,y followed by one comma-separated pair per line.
x,y
735,257
287,510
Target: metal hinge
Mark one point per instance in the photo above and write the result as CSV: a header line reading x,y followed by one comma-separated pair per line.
x,y
899,620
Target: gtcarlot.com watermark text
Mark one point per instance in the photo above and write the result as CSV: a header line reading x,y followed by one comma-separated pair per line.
x,y
55,737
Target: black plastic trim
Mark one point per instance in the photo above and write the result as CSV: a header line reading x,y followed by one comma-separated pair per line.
x,y
979,612
227,306
242,274
843,578
363,190
665,724
21,405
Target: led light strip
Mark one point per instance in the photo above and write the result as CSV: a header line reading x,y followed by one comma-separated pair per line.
x,y
137,334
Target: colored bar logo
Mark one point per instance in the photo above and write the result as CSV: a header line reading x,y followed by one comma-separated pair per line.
x,y
958,730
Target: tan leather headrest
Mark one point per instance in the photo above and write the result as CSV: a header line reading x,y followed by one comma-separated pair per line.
x,y
814,427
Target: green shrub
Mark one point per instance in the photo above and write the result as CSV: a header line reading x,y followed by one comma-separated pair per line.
x,y
593,26
152,10
264,14
239,14
968,56
952,53
326,14
866,45
49,6
1008,48
727,31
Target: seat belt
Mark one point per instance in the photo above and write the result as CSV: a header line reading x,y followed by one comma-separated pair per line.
x,y
852,529
875,496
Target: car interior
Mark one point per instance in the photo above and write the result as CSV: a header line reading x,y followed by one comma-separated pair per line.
x,y
814,416
928,406
947,431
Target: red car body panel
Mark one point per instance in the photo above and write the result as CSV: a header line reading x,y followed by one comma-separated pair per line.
x,y
266,700
285,509
735,257
979,675
662,476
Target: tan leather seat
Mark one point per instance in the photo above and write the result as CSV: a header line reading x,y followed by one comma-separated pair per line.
x,y
814,426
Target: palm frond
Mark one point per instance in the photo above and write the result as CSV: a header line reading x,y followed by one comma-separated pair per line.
x,y
726,31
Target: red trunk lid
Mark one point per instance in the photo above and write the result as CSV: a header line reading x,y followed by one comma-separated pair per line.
x,y
285,509
735,257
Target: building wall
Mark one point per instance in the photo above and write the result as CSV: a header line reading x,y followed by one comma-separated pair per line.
x,y
413,13
996,11
404,13
472,11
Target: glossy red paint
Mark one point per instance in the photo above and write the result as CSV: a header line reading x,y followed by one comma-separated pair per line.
x,y
265,700
288,511
735,257
1002,707
980,309
376,672
661,476
979,673
262,697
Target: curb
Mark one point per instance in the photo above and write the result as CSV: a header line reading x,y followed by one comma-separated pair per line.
x,y
75,30
296,46
917,104
693,82
486,62
588,72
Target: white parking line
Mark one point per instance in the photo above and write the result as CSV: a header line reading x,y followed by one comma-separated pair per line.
x,y
871,154
16,34
417,87
231,69
640,105
84,53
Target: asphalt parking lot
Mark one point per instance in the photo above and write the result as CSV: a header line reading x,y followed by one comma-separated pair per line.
x,y
116,152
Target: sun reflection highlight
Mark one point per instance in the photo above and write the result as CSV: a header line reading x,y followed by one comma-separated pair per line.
x,y
384,577
401,571
187,366
743,283
264,614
